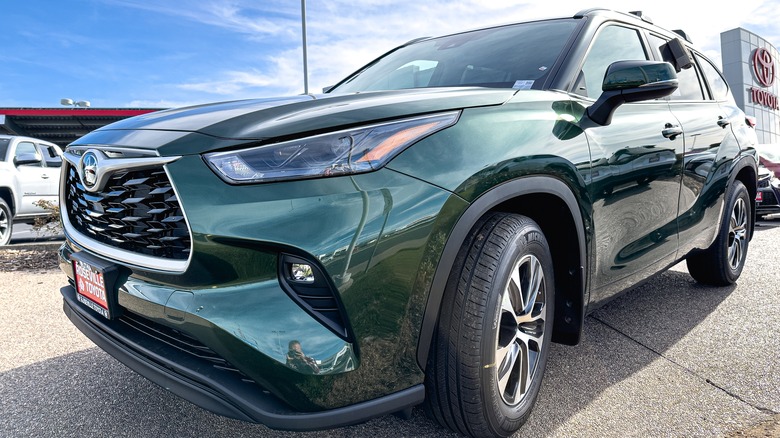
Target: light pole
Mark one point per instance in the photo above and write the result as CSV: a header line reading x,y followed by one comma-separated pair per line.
x,y
75,104
305,61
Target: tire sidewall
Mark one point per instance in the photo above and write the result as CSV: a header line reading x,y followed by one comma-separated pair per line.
x,y
6,238
528,240
738,191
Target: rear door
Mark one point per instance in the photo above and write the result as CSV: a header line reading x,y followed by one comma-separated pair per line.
x,y
701,106
52,160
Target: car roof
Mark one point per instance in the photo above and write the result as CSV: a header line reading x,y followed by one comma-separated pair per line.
x,y
633,17
22,137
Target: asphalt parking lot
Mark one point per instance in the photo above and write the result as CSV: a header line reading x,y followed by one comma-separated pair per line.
x,y
670,358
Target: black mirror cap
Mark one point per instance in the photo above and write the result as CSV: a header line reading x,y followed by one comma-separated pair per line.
x,y
627,75
632,81
23,159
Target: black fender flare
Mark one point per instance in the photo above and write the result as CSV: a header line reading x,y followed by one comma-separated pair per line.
x,y
750,162
477,209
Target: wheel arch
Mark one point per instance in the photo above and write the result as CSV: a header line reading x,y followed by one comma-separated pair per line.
x,y
8,197
553,205
745,172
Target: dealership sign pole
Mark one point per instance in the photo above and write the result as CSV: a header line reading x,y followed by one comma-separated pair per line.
x,y
305,62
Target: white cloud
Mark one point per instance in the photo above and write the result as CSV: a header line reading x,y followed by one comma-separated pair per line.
x,y
282,76
249,19
161,103
344,35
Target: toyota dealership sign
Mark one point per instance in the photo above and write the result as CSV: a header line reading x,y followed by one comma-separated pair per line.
x,y
764,69
750,68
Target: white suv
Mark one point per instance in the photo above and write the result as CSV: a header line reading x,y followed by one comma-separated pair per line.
x,y
29,172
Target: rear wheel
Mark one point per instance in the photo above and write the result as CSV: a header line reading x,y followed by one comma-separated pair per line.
x,y
494,330
721,264
6,223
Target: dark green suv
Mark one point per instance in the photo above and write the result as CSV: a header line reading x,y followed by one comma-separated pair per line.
x,y
418,234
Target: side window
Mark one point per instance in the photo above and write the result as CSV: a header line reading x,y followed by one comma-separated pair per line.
x,y
50,156
4,142
718,86
613,43
689,85
27,148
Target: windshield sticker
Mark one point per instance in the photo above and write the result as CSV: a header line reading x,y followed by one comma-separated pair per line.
x,y
523,84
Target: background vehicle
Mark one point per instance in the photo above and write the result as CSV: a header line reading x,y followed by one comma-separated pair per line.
x,y
29,172
769,157
422,232
768,196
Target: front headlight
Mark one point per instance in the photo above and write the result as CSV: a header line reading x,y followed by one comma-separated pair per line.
x,y
349,151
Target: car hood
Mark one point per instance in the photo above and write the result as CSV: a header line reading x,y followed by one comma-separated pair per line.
x,y
263,119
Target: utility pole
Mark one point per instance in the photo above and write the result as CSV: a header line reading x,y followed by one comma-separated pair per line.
x,y
305,61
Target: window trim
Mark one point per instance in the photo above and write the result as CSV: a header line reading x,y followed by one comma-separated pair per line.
x,y
642,40
46,151
699,58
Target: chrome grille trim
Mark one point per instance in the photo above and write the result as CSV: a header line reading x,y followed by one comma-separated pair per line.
x,y
135,162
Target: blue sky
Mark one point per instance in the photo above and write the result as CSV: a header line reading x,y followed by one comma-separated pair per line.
x,y
155,54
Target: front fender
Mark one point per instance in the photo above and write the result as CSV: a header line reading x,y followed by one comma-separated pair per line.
x,y
532,185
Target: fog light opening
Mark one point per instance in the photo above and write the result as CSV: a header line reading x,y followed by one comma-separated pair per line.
x,y
302,272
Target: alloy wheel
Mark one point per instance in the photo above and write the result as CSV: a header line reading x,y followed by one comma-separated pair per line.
x,y
521,329
4,225
737,233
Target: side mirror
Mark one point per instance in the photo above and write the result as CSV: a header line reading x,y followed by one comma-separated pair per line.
x,y
23,159
631,81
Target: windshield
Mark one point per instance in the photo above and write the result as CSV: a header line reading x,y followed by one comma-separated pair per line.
x,y
516,56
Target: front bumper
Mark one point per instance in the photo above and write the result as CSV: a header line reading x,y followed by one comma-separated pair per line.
x,y
222,391
376,237
768,199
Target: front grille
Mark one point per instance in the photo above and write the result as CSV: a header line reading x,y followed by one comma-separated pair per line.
x,y
769,197
137,211
180,341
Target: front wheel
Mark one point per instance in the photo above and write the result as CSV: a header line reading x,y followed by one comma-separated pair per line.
x,y
494,329
721,264
6,223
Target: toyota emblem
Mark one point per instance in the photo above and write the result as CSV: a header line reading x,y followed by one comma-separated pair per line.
x,y
89,168
764,67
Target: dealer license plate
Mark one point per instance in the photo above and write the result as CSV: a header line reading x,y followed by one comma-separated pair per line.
x,y
91,287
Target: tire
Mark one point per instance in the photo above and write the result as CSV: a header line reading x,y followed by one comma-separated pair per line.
x,y
721,264
6,223
493,336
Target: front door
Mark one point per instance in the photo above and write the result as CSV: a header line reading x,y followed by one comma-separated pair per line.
x,y
33,179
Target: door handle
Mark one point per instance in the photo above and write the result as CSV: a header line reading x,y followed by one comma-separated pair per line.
x,y
671,131
723,122
44,176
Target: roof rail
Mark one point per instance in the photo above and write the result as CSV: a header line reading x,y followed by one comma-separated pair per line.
x,y
585,12
641,16
683,34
